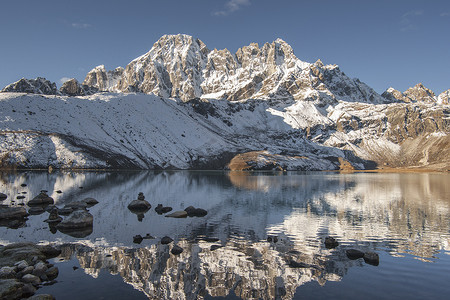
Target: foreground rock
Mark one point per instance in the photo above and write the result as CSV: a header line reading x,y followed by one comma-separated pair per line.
x,y
331,242
140,204
160,209
23,269
7,212
195,212
178,214
78,224
41,199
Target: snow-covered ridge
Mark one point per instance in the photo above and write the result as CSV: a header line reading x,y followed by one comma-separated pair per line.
x,y
144,131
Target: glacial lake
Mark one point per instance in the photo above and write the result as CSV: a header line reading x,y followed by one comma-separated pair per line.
x,y
404,218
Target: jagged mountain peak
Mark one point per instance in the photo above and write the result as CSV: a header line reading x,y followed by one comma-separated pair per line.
x,y
39,85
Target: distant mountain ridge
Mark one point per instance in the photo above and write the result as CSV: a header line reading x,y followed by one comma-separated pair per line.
x,y
180,66
183,106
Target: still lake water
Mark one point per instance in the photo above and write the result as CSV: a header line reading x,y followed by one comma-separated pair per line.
x,y
405,218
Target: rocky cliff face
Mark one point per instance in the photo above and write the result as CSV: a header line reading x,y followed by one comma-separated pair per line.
x,y
418,93
103,80
32,86
180,66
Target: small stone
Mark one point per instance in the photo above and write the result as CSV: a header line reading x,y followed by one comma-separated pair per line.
x,y
166,240
90,201
23,185
137,239
29,278
3,196
354,254
139,205
21,265
58,191
177,214
141,196
39,269
371,258
20,197
28,290
195,212
27,270
148,237
7,273
331,242
272,238
176,250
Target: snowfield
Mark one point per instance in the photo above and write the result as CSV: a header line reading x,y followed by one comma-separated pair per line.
x,y
114,130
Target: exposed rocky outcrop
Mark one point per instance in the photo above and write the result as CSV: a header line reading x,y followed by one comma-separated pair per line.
x,y
39,85
73,88
102,80
418,93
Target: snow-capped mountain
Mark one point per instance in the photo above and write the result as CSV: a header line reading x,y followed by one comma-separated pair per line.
x,y
184,106
181,66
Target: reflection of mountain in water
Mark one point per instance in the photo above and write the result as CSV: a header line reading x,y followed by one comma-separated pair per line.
x,y
397,213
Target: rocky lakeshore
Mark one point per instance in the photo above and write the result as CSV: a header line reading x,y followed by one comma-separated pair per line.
x,y
24,268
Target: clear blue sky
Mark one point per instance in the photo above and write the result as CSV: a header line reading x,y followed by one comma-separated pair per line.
x,y
384,43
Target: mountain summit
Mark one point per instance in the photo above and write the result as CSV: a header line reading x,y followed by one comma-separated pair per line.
x,y
180,66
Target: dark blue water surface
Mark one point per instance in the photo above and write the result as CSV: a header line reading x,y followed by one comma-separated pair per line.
x,y
404,218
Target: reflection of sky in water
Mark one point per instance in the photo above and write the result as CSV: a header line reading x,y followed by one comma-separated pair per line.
x,y
397,214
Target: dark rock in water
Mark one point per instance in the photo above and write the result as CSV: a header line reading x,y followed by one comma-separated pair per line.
x,y
148,237
90,201
215,247
76,232
160,209
7,212
77,219
65,211
331,242
20,197
294,264
140,204
178,214
58,191
166,240
272,238
137,239
23,185
76,205
53,217
371,258
11,289
3,196
36,210
195,212
52,273
41,199
176,250
354,254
